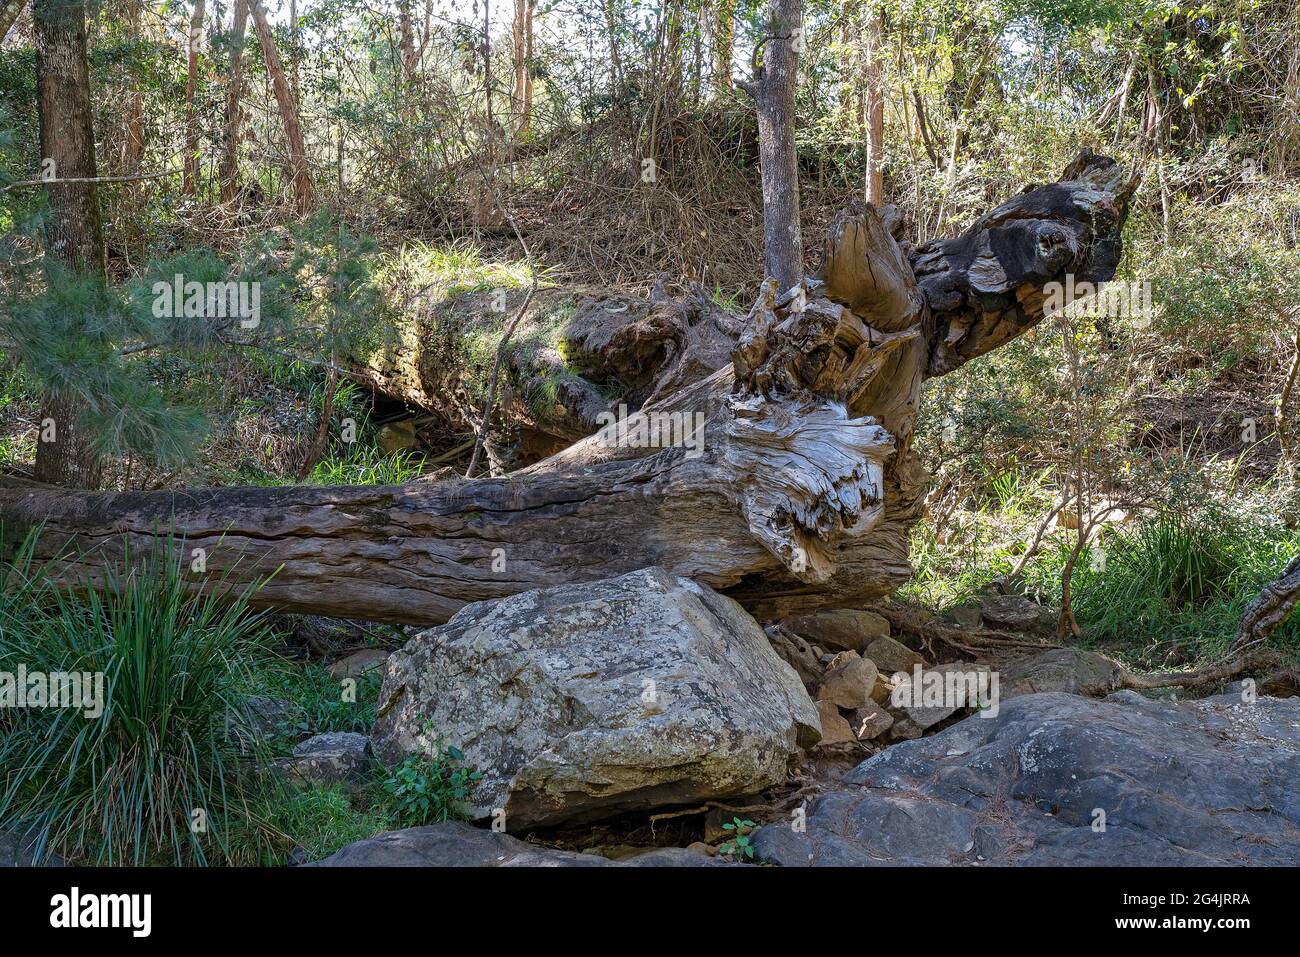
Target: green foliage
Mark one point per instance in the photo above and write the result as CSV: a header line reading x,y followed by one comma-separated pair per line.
x,y
319,694
427,789
364,465
319,821
171,748
738,847
78,339
1166,588
1173,588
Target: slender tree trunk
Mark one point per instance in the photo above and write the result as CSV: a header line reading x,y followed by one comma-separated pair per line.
x,y
611,26
522,38
873,77
774,90
73,230
229,171
9,12
528,74
293,49
962,112
304,190
133,148
490,125
724,44
190,175
673,49
406,41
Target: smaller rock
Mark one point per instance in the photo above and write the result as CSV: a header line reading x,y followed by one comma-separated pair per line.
x,y
849,681
913,720
891,655
1012,613
272,715
797,653
883,688
358,664
327,759
870,721
839,629
1072,670
835,730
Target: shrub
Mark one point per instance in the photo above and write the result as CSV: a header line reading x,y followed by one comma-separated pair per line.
x,y
428,789
367,466
162,775
1174,586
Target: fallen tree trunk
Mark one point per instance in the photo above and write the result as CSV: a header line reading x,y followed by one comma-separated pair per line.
x,y
786,479
557,382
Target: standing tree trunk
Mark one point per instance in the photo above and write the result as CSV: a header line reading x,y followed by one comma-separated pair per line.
x,y
519,57
229,170
133,148
190,174
773,89
724,44
293,49
304,191
522,38
611,27
74,233
873,77
406,41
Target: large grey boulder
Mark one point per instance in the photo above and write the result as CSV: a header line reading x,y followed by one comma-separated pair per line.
x,y
456,844
1210,782
584,701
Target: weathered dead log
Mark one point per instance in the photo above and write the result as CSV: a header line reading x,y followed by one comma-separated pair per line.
x,y
790,482
613,350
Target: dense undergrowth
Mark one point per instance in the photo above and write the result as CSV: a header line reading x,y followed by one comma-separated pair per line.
x,y
1164,587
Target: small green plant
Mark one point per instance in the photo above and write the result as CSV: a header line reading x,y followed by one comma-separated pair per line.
x,y
429,789
739,847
